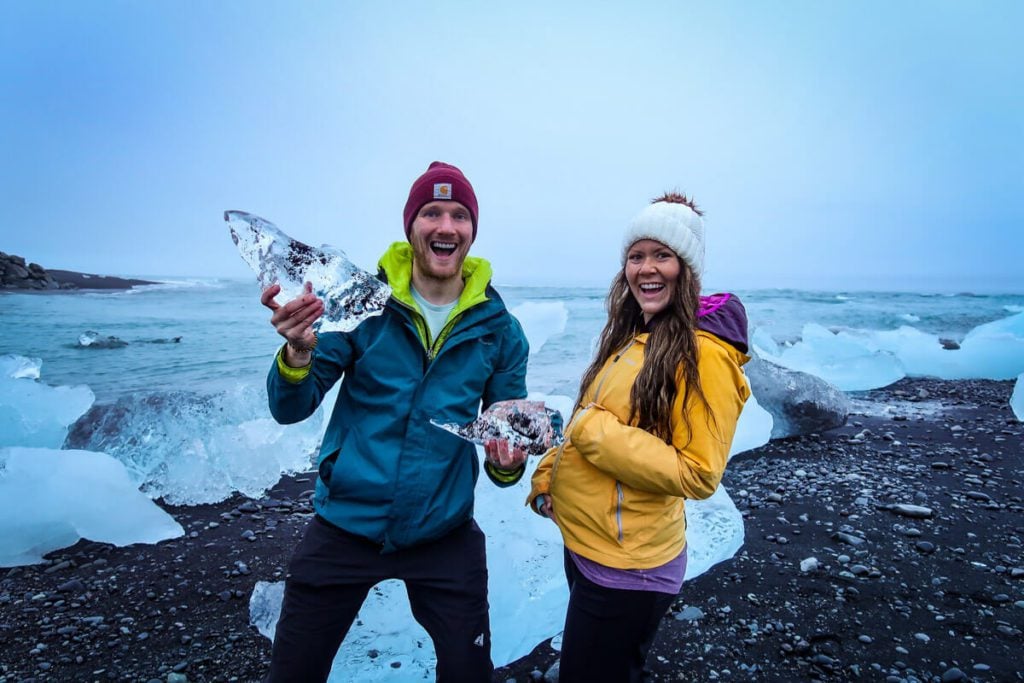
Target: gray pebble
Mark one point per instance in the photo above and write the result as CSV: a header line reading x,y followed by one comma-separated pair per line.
x,y
914,511
953,674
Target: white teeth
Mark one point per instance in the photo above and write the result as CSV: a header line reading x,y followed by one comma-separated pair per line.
x,y
443,245
651,286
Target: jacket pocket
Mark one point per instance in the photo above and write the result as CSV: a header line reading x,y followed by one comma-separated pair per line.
x,y
326,468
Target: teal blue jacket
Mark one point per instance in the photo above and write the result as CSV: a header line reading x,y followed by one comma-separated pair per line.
x,y
385,473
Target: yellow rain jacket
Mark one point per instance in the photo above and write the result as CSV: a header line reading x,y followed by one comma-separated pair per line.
x,y
617,490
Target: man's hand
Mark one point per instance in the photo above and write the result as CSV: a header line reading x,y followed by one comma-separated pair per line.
x,y
294,321
503,456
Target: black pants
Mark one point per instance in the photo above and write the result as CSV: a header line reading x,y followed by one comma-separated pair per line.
x,y
608,632
331,573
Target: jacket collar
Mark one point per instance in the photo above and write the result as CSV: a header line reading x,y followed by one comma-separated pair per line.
x,y
396,266
738,356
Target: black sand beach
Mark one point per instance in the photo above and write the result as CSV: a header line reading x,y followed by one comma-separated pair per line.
x,y
915,523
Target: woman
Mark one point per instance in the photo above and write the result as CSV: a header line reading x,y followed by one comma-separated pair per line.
x,y
653,424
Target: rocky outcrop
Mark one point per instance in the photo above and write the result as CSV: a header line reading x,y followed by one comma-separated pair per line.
x,y
16,274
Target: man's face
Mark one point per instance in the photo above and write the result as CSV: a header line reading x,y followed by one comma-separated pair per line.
x,y
440,236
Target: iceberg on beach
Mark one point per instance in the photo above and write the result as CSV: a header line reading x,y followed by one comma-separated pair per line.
x,y
856,360
754,428
842,359
190,448
350,295
51,498
799,402
32,413
714,532
541,320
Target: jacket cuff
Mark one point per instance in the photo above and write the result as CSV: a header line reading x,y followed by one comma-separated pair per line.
x,y
290,374
504,478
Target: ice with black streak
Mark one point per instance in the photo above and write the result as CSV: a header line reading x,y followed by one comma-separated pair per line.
x,y
529,425
350,294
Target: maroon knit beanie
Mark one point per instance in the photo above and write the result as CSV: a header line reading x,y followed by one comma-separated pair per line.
x,y
441,181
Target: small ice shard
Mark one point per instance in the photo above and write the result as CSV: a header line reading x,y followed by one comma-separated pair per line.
x,y
350,295
1017,398
93,340
265,606
530,425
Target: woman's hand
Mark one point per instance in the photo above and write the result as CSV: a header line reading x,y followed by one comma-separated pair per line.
x,y
544,506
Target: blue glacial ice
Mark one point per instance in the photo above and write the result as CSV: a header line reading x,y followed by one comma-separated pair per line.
x,y
191,448
33,413
855,360
799,403
350,295
1017,399
541,320
51,498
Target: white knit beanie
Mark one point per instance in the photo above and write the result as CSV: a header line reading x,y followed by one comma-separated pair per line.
x,y
675,225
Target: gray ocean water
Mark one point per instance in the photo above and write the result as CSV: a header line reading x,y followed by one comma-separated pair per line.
x,y
226,339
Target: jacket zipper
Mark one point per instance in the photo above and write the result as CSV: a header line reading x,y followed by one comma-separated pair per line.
x,y
618,508
431,347
435,347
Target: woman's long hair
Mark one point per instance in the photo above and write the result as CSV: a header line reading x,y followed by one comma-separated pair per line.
x,y
670,355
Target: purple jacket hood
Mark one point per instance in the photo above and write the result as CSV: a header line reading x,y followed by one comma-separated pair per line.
x,y
723,315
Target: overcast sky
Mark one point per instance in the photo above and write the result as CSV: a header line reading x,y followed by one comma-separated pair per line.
x,y
833,145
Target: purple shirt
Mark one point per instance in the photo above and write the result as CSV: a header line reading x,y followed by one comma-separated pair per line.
x,y
668,578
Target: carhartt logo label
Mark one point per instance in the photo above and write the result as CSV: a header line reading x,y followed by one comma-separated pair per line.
x,y
479,642
442,190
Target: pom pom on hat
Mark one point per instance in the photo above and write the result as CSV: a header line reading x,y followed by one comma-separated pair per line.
x,y
440,181
675,224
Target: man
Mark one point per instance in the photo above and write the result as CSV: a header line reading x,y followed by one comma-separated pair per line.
x,y
394,496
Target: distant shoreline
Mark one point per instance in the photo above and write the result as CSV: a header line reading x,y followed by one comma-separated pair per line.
x,y
76,280
18,275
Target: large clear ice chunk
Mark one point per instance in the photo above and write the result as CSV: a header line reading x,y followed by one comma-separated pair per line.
x,y
754,428
846,359
541,320
799,403
350,294
714,532
32,413
856,360
51,498
190,448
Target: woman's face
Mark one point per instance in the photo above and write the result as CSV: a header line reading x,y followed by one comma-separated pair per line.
x,y
652,270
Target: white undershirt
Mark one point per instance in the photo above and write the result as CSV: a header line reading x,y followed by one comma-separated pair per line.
x,y
435,315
